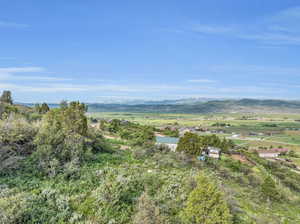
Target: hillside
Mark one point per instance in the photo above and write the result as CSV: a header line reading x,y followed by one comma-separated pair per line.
x,y
61,167
213,106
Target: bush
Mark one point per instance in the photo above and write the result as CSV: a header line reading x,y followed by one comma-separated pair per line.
x,y
47,206
269,189
64,139
205,204
147,212
16,142
18,134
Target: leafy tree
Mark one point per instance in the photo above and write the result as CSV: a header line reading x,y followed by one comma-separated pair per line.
x,y
190,143
194,144
6,97
205,204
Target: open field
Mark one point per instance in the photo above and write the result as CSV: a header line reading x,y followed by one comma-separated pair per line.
x,y
255,130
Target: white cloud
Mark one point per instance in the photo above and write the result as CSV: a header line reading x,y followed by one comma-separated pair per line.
x,y
11,73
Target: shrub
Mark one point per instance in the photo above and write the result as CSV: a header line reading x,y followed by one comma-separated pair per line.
x,y
269,190
147,212
16,142
205,204
63,138
17,133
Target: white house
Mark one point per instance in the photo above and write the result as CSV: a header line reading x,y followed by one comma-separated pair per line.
x,y
268,154
213,152
272,153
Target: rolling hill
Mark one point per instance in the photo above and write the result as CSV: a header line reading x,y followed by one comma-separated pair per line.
x,y
212,106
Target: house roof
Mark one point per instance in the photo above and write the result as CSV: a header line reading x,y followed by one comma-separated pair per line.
x,y
273,151
267,151
213,150
278,150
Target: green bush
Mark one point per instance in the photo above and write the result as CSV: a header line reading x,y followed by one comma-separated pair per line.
x,y
63,139
148,212
269,189
205,204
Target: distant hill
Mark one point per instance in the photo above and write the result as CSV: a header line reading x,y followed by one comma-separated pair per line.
x,y
196,105
210,106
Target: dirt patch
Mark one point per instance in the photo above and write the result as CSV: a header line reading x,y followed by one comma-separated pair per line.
x,y
124,147
241,158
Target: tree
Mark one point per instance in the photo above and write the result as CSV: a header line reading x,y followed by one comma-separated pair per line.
x,y
64,139
205,204
269,190
6,97
194,144
2,109
44,108
63,104
37,108
190,143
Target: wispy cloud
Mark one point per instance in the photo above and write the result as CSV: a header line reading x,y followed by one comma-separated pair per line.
x,y
211,29
13,73
281,28
202,81
6,24
255,70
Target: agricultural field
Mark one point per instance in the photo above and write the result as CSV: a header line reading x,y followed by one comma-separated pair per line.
x,y
254,130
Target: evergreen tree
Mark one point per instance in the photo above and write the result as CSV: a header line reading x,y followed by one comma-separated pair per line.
x,y
205,204
44,108
37,108
6,97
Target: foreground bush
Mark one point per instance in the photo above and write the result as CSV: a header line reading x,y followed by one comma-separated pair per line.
x,y
206,205
63,141
16,141
148,212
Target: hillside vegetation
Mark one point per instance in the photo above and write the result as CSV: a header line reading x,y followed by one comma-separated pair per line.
x,y
61,167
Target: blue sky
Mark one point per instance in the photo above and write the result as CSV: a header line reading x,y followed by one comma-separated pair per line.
x,y
107,51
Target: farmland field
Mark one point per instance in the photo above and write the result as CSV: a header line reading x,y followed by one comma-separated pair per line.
x,y
254,130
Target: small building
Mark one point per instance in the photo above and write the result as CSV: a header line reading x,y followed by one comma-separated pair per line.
x,y
272,153
213,152
171,142
268,154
